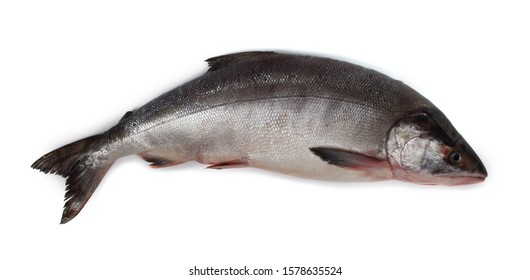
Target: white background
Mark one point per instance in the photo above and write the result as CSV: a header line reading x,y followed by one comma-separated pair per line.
x,y
70,70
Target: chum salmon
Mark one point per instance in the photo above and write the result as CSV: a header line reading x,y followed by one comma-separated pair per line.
x,y
300,115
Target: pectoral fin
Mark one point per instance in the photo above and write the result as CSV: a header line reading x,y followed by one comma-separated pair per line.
x,y
349,159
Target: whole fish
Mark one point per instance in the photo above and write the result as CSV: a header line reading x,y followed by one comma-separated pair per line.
x,y
300,115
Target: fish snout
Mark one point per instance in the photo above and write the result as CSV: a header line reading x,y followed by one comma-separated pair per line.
x,y
480,171
476,175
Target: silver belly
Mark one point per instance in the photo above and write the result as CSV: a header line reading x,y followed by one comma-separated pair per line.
x,y
271,134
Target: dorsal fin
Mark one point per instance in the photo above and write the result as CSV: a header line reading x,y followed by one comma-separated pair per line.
x,y
126,115
218,62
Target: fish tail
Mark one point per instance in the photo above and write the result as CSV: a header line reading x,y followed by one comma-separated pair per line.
x,y
83,174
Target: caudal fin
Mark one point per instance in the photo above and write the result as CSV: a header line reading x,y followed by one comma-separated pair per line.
x,y
75,162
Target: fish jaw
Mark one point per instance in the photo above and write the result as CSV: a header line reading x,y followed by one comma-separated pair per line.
x,y
463,180
440,179
477,175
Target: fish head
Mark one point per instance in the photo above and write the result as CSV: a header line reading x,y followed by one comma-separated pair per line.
x,y
423,147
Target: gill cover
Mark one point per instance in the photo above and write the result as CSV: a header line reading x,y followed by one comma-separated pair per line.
x,y
424,147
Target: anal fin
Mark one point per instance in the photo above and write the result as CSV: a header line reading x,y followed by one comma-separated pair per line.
x,y
158,161
237,163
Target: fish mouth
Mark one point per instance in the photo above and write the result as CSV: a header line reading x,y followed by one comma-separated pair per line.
x,y
476,175
464,178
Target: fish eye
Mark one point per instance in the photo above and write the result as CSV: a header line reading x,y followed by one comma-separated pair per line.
x,y
455,157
